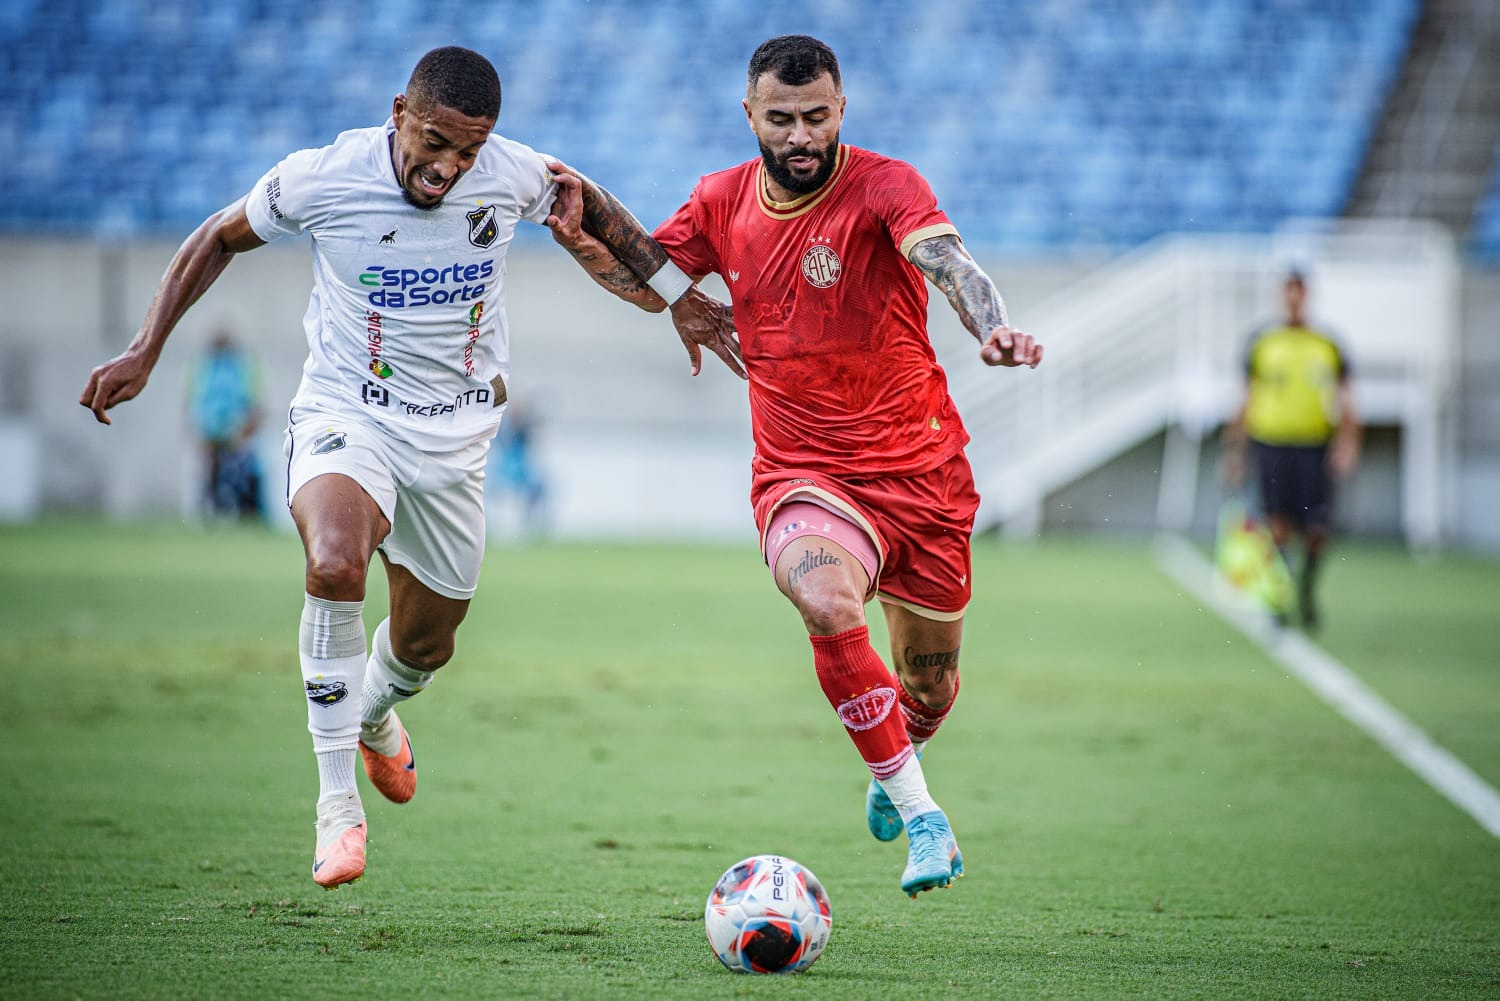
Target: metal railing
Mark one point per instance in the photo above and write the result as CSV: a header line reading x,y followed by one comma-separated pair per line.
x,y
1155,340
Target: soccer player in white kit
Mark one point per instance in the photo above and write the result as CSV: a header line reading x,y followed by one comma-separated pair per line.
x,y
403,388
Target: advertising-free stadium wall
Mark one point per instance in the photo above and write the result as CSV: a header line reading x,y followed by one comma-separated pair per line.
x,y
632,446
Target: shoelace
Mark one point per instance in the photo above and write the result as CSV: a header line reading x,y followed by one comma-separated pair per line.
x,y
925,845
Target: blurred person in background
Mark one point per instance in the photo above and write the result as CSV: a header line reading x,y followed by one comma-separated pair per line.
x,y
402,391
1297,422
860,487
515,466
225,410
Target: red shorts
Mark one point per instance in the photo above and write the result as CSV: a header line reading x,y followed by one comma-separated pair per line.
x,y
920,525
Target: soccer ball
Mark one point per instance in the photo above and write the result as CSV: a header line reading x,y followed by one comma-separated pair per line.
x,y
767,914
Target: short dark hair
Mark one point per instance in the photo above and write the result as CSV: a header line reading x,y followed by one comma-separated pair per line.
x,y
795,59
457,78
1296,276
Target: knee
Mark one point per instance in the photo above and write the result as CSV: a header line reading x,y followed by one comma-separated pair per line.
x,y
423,652
934,693
336,575
931,679
829,610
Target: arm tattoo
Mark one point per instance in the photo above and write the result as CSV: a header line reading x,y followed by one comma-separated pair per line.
x,y
970,292
609,221
608,271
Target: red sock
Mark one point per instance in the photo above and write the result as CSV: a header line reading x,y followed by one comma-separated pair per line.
x,y
860,686
922,721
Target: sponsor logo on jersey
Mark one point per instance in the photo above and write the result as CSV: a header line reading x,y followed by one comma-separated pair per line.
x,y
273,195
820,264
476,312
375,340
482,228
389,238
400,288
734,275
326,693
868,710
330,442
468,398
375,394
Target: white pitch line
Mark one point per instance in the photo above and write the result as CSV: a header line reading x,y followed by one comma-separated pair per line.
x,y
1335,684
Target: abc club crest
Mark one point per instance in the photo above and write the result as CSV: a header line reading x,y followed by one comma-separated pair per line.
x,y
482,228
820,265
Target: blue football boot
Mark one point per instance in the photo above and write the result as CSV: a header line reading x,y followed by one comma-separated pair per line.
x,y
932,858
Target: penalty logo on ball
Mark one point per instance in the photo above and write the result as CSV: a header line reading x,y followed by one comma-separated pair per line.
x,y
767,914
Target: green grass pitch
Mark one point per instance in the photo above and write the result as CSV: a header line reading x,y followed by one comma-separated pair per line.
x,y
1148,806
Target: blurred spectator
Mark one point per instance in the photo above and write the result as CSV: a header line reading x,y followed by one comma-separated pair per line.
x,y
224,407
1298,421
513,463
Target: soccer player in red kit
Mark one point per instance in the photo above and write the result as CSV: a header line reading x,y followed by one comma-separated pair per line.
x,y
859,483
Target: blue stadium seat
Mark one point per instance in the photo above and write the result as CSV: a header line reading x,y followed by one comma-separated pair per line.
x,y
1098,121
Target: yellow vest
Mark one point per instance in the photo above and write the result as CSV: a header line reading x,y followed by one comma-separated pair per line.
x,y
1294,377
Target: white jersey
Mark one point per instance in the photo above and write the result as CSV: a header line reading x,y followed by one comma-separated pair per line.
x,y
406,323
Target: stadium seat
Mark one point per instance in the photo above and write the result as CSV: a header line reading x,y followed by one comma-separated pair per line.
x,y
1121,120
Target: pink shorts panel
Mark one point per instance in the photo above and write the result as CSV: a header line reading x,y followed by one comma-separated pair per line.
x,y
920,522
799,518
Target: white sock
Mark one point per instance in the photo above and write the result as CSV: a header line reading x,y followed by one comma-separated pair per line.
x,y
331,648
387,682
908,790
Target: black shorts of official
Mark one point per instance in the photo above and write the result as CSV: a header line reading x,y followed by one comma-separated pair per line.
x,y
1295,484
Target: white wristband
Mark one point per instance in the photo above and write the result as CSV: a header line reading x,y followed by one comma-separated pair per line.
x,y
670,282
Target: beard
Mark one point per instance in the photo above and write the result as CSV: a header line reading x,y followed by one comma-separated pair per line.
x,y
776,167
424,206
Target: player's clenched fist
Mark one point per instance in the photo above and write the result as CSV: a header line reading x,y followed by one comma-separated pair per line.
x,y
1010,347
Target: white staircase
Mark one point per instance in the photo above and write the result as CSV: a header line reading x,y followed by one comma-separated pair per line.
x,y
1155,340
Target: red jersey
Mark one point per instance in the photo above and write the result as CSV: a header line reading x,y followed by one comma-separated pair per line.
x,y
831,316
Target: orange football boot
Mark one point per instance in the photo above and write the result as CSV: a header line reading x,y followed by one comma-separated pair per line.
x,y
394,775
340,855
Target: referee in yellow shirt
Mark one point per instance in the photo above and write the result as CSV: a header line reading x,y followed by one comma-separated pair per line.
x,y
1299,422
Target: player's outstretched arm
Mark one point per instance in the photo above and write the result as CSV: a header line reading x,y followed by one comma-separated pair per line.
x,y
607,271
198,262
974,298
701,320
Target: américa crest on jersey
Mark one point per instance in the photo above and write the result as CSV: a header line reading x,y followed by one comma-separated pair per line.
x,y
820,263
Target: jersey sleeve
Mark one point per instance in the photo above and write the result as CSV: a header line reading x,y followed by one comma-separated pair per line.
x,y
538,189
904,203
283,201
682,237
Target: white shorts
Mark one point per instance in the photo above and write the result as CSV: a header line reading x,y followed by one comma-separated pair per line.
x,y
433,500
